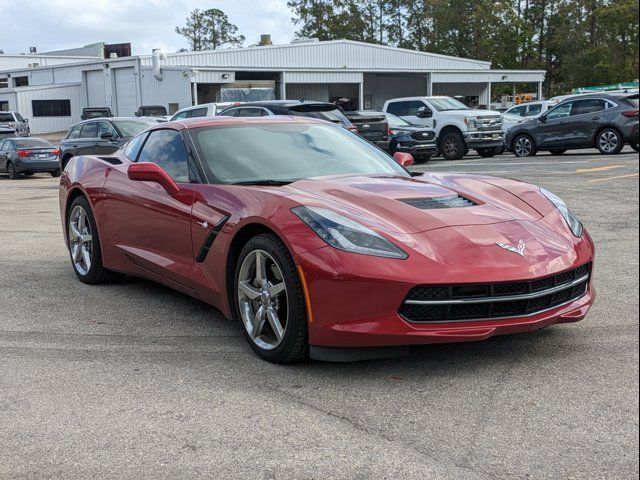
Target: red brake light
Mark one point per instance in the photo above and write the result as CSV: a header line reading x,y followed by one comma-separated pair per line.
x,y
23,153
56,152
631,113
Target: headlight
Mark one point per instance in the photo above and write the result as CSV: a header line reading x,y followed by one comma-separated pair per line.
x,y
471,123
574,224
345,234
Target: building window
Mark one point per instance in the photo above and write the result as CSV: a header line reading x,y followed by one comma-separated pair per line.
x,y
21,81
51,108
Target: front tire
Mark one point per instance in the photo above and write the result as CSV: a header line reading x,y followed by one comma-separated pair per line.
x,y
636,147
84,244
269,300
489,152
523,146
452,146
609,141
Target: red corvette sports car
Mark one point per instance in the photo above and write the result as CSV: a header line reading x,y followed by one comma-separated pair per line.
x,y
321,244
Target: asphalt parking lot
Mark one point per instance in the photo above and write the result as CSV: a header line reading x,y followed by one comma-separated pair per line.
x,y
133,380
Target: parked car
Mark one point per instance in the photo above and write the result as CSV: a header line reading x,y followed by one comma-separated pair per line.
x,y
101,136
419,141
319,244
203,110
15,121
524,111
602,121
7,132
96,112
296,108
372,126
152,111
459,128
28,156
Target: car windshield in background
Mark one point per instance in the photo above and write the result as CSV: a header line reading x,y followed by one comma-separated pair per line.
x,y
446,104
32,143
131,128
396,121
154,112
6,117
288,152
323,113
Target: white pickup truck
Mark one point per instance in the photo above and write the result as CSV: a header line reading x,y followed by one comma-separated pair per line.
x,y
459,128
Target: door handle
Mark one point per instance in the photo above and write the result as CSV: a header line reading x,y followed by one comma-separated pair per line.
x,y
203,224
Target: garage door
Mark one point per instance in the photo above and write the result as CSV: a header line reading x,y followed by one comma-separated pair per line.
x,y
125,83
95,88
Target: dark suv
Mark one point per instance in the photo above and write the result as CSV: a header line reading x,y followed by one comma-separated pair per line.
x,y
296,108
101,136
602,121
372,126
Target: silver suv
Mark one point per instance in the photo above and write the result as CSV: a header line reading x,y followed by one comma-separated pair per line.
x,y
16,121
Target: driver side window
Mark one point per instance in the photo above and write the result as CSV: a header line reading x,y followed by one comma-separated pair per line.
x,y
560,111
166,149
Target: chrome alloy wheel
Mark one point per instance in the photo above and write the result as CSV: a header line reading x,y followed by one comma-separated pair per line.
x,y
608,141
523,147
262,299
80,240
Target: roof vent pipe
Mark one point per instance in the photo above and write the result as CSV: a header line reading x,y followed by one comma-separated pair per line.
x,y
157,58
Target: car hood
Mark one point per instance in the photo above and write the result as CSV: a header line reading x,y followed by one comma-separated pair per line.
x,y
411,128
409,205
472,113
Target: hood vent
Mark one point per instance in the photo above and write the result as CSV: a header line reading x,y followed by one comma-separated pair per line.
x,y
454,201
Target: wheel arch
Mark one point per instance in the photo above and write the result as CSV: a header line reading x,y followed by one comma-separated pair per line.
x,y
604,127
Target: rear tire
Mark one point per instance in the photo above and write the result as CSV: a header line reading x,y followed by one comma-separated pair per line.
x,y
55,173
257,308
558,151
489,152
84,245
423,159
609,141
452,146
523,146
11,172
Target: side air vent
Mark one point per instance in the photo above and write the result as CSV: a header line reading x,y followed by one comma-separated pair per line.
x,y
111,160
454,201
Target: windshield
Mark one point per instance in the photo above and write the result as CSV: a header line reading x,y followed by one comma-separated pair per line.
x,y
288,152
333,115
154,111
131,128
32,143
6,117
396,121
444,104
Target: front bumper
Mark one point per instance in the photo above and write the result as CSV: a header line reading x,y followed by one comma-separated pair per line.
x,y
350,310
418,150
482,139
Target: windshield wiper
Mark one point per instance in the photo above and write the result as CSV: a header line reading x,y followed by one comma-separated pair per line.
x,y
267,183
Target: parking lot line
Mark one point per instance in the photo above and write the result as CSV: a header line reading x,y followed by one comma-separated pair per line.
x,y
598,169
612,178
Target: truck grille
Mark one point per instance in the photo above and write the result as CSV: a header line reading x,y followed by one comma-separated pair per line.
x,y
489,123
423,136
446,303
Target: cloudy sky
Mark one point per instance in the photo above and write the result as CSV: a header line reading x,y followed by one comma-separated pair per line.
x,y
147,24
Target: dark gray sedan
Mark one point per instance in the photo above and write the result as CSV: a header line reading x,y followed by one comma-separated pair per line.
x,y
101,136
28,156
602,121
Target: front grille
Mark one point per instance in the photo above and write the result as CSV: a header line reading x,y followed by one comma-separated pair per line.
x,y
442,303
432,203
489,123
424,136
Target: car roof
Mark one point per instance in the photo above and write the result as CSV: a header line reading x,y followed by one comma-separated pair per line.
x,y
282,103
112,119
200,122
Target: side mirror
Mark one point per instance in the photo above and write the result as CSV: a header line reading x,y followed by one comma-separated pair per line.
x,y
106,136
424,113
26,120
150,172
543,118
403,159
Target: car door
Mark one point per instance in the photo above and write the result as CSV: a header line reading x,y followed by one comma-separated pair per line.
x,y
586,118
149,228
87,142
553,129
419,112
4,152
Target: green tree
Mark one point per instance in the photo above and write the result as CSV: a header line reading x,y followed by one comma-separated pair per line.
x,y
209,30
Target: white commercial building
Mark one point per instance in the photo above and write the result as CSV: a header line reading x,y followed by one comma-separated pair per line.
x,y
368,74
